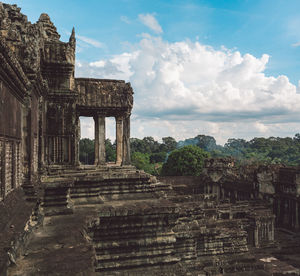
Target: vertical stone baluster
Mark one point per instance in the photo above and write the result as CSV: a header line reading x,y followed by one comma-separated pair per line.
x,y
69,149
54,149
296,215
75,141
61,142
100,154
59,149
56,153
126,140
119,138
14,166
96,128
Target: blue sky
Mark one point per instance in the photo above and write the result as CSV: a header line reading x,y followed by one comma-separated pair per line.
x,y
222,68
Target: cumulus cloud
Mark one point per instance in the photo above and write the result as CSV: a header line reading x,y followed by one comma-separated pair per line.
x,y
186,88
150,21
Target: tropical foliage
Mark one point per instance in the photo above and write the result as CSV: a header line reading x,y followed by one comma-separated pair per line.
x,y
166,157
188,160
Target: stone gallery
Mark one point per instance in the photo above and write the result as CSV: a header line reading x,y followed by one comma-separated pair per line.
x,y
59,217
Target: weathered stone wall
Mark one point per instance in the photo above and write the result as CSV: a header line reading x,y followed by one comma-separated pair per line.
x,y
185,184
10,124
275,184
61,126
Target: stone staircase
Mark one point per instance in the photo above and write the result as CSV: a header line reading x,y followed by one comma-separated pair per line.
x,y
92,185
136,234
111,184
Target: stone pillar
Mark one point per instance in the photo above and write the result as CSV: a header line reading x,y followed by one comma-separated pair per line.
x,y
256,241
270,233
278,213
2,164
273,229
119,139
41,148
296,215
126,141
76,141
99,140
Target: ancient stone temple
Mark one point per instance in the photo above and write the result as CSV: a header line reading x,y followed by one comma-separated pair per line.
x,y
59,217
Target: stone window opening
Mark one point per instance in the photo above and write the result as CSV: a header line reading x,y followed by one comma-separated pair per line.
x,y
93,145
110,140
86,140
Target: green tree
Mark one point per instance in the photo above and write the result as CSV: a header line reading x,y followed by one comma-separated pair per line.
x,y
158,157
110,151
168,144
208,143
140,160
86,151
137,145
150,145
188,160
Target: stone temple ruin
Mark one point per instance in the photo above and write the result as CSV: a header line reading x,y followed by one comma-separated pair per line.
x,y
58,217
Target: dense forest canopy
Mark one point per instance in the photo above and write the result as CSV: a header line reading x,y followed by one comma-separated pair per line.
x,y
150,155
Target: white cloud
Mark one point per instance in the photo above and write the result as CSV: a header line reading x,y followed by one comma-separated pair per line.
x,y
90,41
117,67
87,127
99,63
186,88
150,21
297,44
125,19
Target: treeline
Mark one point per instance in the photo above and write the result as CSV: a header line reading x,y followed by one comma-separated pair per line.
x,y
150,155
272,150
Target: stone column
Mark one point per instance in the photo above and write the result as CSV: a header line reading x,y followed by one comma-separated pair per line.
x,y
119,139
296,215
2,164
278,211
126,141
99,140
256,241
272,230
76,140
41,136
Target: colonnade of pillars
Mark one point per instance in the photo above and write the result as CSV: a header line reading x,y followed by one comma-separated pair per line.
x,y
122,140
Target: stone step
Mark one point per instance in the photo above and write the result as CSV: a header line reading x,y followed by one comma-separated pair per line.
x,y
139,262
131,242
129,253
160,186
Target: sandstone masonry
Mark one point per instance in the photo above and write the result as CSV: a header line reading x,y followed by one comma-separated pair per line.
x,y
58,217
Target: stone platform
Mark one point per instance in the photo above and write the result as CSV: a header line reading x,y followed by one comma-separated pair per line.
x,y
121,221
